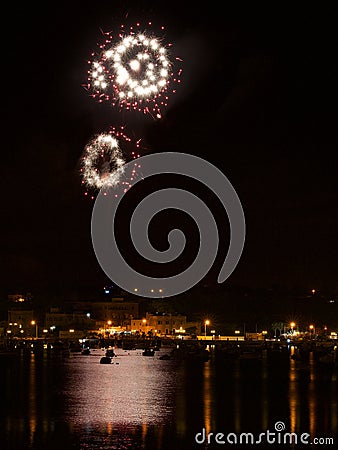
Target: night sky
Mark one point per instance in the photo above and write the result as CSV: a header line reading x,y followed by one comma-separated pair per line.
x,y
258,99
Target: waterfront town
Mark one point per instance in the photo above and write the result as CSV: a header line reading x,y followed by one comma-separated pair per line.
x,y
155,328
111,316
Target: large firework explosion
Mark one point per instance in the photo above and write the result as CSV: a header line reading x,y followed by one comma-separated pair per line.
x,y
133,70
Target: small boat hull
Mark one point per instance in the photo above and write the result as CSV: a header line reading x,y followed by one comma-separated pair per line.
x,y
105,360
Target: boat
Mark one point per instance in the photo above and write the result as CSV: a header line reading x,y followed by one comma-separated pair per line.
x,y
110,352
105,360
227,353
191,354
128,345
148,352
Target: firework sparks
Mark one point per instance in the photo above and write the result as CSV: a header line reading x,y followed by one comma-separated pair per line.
x,y
102,164
103,161
133,71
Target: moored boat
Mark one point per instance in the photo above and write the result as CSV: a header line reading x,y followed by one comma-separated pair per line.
x,y
105,360
110,352
148,352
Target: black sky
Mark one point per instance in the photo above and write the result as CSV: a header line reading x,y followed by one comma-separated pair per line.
x,y
258,99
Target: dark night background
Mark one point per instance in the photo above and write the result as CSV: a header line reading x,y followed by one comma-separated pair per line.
x,y
258,99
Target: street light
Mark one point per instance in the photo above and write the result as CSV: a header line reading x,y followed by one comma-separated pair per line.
x,y
207,322
292,326
312,329
109,322
34,322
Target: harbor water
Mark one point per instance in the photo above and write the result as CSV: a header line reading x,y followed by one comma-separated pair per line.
x,y
147,402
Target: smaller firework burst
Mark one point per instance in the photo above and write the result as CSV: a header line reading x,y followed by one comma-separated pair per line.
x,y
103,161
134,71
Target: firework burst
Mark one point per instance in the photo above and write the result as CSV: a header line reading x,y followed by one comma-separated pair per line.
x,y
103,161
133,71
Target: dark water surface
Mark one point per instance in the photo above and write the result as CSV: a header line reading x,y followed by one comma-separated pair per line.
x,y
143,402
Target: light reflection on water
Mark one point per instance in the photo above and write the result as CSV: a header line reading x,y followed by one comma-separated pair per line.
x,y
146,403
133,389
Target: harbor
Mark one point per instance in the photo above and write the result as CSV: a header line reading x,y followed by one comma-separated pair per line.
x,y
57,397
